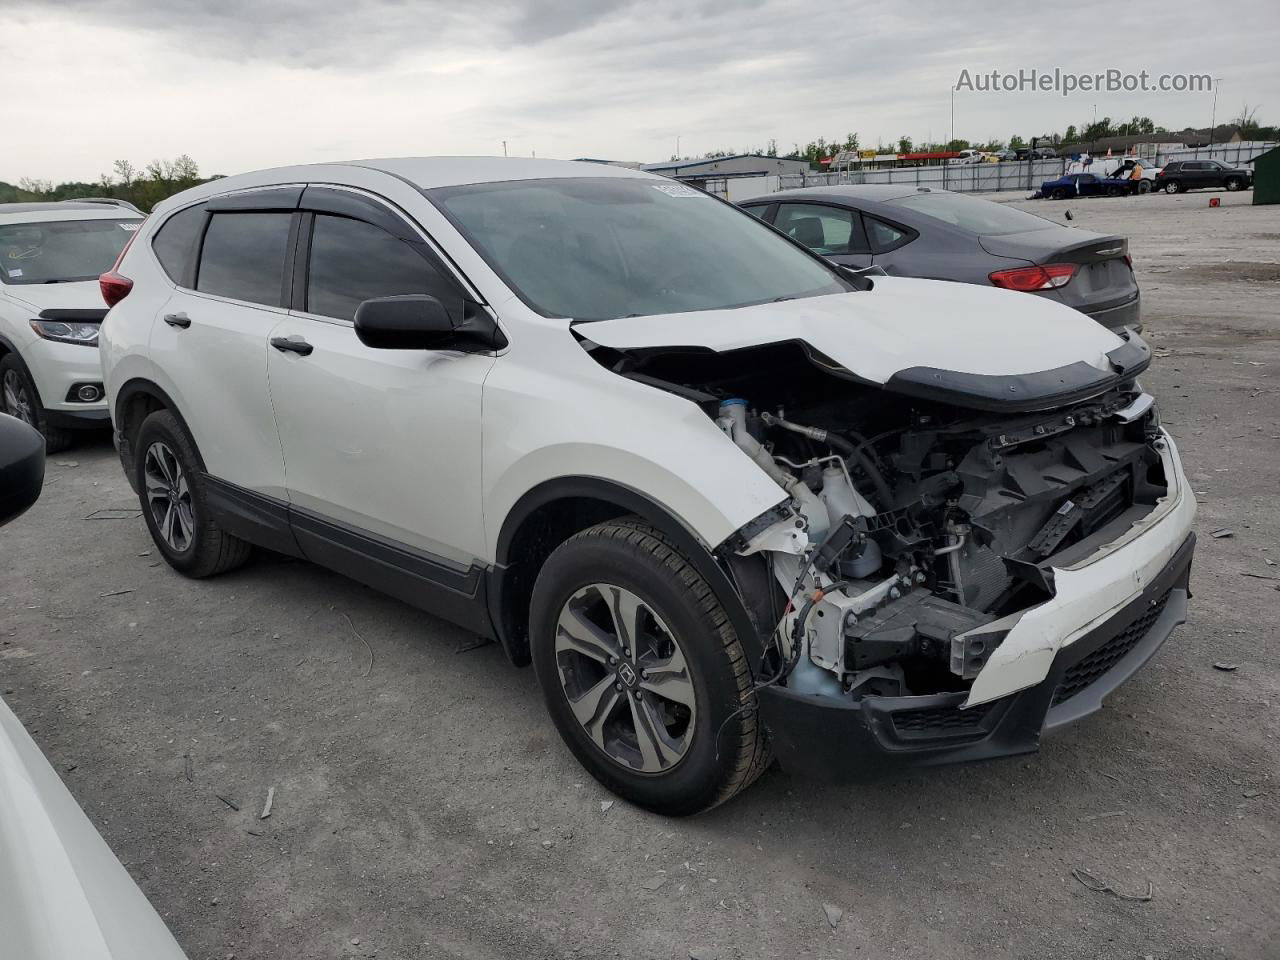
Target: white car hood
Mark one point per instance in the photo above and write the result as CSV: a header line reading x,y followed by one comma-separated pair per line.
x,y
899,324
63,894
78,295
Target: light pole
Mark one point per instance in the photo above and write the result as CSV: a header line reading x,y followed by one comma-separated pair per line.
x,y
504,148
1213,120
953,116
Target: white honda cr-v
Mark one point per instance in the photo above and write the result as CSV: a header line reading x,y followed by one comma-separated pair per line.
x,y
732,502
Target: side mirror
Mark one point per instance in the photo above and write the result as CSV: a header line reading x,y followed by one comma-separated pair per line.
x,y
21,467
421,322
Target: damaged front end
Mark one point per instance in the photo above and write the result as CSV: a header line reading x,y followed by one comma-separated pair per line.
x,y
916,565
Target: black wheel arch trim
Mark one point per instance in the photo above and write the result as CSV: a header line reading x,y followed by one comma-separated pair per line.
x,y
705,559
131,389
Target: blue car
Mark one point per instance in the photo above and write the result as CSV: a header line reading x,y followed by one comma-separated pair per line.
x,y
1086,185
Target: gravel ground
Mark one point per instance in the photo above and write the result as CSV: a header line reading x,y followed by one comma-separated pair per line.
x,y
424,806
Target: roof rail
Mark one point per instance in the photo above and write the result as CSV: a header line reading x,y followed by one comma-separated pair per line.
x,y
110,201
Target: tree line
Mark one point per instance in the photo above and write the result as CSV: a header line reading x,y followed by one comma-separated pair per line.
x,y
1245,122
143,187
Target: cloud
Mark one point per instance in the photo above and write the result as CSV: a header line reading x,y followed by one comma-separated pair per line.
x,y
244,83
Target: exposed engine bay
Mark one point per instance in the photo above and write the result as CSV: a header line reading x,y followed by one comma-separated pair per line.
x,y
913,526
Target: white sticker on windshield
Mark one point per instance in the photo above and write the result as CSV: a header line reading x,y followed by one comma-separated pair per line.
x,y
677,190
129,226
15,273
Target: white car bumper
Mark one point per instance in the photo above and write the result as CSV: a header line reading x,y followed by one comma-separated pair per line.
x,y
1089,592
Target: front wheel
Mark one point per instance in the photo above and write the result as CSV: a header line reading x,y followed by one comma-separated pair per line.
x,y
1233,184
1059,194
19,398
642,671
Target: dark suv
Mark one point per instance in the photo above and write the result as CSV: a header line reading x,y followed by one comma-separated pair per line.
x,y
1194,174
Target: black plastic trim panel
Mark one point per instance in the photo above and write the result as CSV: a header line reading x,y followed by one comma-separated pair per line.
x,y
87,315
1024,392
838,739
422,579
267,198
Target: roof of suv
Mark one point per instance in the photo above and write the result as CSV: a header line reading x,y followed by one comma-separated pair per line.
x,y
64,210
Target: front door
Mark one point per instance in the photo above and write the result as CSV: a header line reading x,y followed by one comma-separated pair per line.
x,y
381,447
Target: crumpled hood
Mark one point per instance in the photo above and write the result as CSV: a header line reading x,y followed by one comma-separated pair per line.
x,y
79,295
900,324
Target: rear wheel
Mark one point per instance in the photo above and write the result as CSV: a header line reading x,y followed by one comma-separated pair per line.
x,y
1173,186
20,399
1144,186
169,479
642,671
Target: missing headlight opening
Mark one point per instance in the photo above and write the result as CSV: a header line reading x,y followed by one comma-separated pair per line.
x,y
914,527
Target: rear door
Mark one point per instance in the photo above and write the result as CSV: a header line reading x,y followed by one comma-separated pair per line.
x,y
1197,173
381,447
212,343
833,232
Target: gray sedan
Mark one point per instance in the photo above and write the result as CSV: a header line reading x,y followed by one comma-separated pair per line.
x,y
921,232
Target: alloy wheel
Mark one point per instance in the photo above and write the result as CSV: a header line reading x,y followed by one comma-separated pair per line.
x,y
17,402
626,679
169,496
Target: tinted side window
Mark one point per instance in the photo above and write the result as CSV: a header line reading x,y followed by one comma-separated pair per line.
x,y
830,231
244,255
759,210
884,236
175,244
353,261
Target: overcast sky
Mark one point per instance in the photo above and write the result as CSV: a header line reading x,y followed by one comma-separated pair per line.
x,y
239,84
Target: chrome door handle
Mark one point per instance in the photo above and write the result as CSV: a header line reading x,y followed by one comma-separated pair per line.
x,y
179,320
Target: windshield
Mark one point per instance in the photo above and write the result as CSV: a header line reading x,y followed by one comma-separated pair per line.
x,y
61,251
594,248
983,217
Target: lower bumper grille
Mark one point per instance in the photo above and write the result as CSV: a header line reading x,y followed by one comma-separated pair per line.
x,y
1092,667
941,721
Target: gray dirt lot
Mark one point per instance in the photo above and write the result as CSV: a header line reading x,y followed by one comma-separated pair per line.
x,y
424,806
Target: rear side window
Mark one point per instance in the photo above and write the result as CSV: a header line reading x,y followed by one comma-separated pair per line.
x,y
885,236
830,231
176,241
353,261
243,257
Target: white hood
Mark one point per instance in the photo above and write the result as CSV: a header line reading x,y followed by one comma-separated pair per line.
x,y
78,295
901,323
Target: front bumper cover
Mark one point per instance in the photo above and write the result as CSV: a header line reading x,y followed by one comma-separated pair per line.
x,y
833,739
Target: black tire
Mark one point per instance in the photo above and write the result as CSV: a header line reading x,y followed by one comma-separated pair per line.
x,y
1059,193
16,383
1144,186
1233,183
1113,191
1172,186
203,549
726,746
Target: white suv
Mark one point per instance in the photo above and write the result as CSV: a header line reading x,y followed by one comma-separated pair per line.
x,y
50,257
730,500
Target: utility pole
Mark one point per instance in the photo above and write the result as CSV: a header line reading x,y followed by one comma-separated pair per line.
x,y
504,148
1213,122
953,114
677,146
